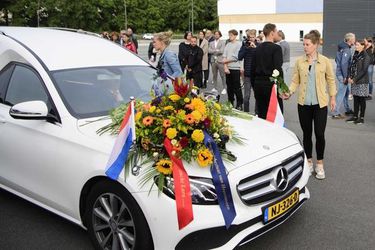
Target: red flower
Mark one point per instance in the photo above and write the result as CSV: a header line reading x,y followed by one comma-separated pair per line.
x,y
207,122
184,142
180,88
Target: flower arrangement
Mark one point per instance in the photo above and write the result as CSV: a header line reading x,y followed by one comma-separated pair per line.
x,y
282,88
182,117
176,127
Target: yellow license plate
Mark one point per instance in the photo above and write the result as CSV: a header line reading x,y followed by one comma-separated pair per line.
x,y
280,207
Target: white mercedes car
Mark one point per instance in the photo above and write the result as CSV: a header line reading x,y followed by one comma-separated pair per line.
x,y
54,87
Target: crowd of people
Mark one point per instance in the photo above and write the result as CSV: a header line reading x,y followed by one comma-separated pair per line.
x,y
255,59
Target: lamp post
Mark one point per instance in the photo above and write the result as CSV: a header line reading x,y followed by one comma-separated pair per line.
x,y
126,15
38,12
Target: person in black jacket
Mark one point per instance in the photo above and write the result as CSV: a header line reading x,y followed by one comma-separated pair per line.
x,y
194,63
247,53
358,78
184,50
268,57
371,52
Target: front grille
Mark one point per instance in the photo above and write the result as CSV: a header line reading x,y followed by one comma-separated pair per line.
x,y
261,186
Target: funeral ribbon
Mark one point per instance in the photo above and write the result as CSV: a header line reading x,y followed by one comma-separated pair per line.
x,y
220,181
181,188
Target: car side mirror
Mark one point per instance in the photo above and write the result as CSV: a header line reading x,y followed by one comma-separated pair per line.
x,y
32,110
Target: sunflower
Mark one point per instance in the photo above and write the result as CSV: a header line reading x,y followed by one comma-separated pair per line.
x,y
198,104
171,133
189,119
148,120
197,135
204,157
166,123
196,115
164,166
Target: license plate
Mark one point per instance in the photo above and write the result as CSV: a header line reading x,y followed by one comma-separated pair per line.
x,y
279,207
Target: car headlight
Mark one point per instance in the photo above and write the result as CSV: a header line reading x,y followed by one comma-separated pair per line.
x,y
202,190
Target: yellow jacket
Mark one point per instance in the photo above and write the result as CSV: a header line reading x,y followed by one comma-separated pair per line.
x,y
324,77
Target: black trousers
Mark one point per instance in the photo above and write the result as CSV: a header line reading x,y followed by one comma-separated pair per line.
x,y
309,116
234,88
196,76
359,104
262,93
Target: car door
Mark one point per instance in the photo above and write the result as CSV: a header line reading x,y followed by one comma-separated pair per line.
x,y
27,147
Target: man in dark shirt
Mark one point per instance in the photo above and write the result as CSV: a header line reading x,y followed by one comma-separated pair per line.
x,y
194,63
268,57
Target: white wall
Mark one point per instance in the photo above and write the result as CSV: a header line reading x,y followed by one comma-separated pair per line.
x,y
234,7
291,30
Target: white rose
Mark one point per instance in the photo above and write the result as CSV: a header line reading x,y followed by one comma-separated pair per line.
x,y
216,135
275,73
174,142
155,154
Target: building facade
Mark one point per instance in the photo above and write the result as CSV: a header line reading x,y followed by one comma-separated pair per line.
x,y
294,17
343,16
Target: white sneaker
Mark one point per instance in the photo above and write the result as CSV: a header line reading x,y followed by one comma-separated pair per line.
x,y
350,97
311,167
214,90
224,92
319,170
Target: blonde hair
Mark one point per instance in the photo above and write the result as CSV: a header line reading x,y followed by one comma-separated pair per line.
x,y
164,37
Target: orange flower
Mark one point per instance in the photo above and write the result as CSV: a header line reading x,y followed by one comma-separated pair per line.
x,y
189,106
148,120
166,123
189,119
146,106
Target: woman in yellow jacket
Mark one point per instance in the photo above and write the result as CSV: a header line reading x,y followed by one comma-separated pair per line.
x,y
312,74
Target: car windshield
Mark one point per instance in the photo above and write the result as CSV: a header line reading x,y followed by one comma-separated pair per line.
x,y
91,92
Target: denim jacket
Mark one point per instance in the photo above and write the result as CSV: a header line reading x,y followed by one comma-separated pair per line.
x,y
343,60
170,63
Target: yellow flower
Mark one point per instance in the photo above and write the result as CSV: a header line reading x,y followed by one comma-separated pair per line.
x,y
197,135
217,106
187,100
171,133
138,116
164,166
152,109
199,105
168,108
205,157
158,111
174,98
196,115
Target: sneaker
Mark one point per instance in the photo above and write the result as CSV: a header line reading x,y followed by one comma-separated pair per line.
x,y
337,117
224,92
311,167
319,170
214,90
359,121
350,112
350,97
369,97
352,119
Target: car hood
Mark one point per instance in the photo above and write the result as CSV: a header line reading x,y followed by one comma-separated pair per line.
x,y
260,139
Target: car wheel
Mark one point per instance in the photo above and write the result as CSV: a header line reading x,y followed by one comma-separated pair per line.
x,y
114,220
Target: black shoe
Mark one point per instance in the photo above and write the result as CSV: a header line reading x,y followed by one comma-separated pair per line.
x,y
337,117
239,107
350,112
352,119
368,98
359,121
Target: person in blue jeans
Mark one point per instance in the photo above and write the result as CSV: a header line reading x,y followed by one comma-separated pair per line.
x,y
343,59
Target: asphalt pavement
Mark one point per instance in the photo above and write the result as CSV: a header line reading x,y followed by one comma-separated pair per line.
x,y
339,215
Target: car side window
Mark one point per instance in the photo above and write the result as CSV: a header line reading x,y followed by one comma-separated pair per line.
x,y
25,86
4,78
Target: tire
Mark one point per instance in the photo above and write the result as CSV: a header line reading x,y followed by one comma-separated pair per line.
x,y
114,220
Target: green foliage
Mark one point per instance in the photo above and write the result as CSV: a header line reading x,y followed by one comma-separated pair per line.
x,y
99,15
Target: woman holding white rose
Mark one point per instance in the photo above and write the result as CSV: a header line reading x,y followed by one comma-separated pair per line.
x,y
313,73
